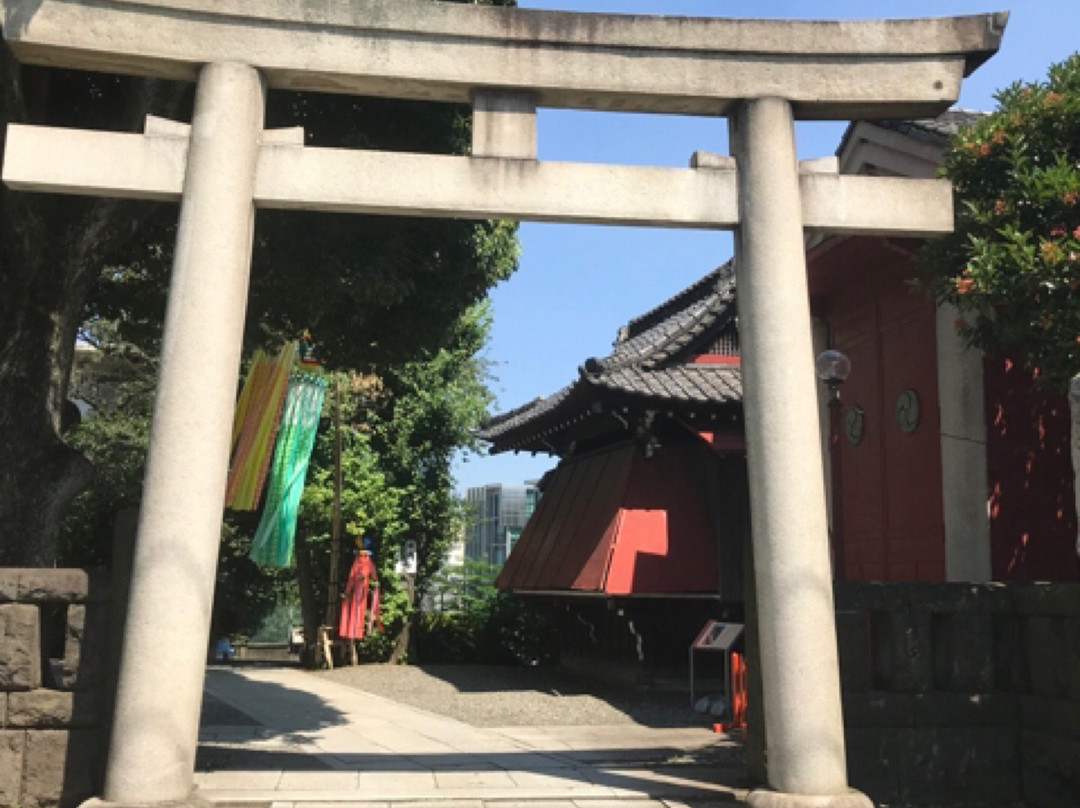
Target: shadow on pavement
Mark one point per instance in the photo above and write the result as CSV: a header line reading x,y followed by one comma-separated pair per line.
x,y
232,740
298,710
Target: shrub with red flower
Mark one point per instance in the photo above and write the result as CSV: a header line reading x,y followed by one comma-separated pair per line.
x,y
1012,266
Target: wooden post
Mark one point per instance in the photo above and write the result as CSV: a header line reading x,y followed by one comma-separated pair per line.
x,y
333,587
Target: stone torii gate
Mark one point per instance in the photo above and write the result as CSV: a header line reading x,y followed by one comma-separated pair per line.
x,y
505,63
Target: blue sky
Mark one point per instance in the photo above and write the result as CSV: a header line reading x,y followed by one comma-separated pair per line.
x,y
577,284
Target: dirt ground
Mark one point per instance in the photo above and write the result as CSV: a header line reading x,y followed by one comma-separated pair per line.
x,y
497,696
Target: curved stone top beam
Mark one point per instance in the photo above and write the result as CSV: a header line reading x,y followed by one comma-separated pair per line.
x,y
444,51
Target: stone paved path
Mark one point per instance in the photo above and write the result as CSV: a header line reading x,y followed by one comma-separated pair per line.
x,y
283,737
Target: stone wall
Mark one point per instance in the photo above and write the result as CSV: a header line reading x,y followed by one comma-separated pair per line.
x,y
54,651
958,694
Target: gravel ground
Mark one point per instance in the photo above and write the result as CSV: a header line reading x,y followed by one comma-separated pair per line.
x,y
496,696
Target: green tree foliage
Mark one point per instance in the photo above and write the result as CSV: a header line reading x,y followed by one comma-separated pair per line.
x,y
476,623
426,415
1012,266
374,290
52,249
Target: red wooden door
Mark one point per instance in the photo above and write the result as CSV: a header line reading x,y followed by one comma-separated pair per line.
x,y
890,471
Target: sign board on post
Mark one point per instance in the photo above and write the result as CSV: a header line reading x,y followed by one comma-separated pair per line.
x,y
716,636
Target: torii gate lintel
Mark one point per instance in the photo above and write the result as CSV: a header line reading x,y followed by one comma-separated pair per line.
x,y
505,62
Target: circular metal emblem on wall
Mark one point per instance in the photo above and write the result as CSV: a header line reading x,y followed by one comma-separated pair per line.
x,y
854,425
907,411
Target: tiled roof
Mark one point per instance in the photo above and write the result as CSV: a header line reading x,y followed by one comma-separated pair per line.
x,y
939,129
647,362
697,384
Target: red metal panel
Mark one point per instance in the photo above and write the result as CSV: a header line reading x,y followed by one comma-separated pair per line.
x,y
582,479
665,542
619,523
527,548
585,562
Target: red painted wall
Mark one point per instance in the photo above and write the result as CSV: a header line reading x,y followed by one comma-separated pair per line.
x,y
1032,510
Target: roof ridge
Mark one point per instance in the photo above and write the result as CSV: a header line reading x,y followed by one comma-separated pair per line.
x,y
502,417
657,314
709,316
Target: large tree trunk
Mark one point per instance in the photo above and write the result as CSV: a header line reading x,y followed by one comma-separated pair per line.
x,y
52,250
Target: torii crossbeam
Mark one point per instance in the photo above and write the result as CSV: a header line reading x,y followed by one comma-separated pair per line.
x,y
763,74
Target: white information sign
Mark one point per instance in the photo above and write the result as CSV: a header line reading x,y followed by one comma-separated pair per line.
x,y
717,636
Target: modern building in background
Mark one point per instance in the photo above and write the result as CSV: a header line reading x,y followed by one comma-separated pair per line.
x,y
498,514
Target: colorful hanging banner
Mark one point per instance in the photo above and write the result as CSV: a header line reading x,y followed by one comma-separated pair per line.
x,y
273,544
255,426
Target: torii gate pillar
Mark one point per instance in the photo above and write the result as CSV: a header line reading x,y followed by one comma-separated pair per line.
x,y
156,723
505,62
800,673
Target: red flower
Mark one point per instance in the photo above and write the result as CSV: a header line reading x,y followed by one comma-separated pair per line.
x,y
1057,231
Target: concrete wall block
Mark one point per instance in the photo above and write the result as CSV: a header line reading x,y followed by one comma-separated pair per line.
x,y
965,710
963,651
926,766
875,764
1056,717
1044,651
51,709
1051,770
901,649
964,766
20,647
878,710
60,767
43,767
1047,599
43,585
9,584
869,596
12,751
956,597
1010,672
1072,657
853,640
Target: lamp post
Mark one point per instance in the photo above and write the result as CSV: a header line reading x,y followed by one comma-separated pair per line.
x,y
833,367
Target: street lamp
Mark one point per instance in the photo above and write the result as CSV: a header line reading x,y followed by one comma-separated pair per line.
x,y
833,367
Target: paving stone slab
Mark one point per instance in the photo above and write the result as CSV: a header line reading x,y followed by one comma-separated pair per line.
x,y
397,782
473,779
579,778
318,781
237,780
